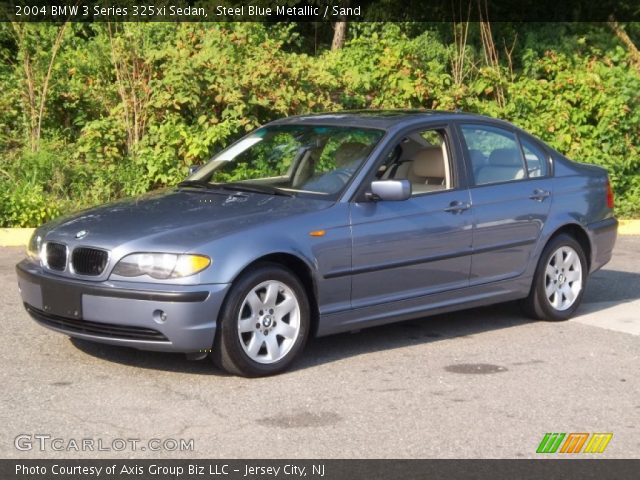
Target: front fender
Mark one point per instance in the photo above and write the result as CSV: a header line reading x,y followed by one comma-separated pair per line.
x,y
233,254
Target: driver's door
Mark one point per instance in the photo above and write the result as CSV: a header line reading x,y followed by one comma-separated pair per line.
x,y
409,248
415,247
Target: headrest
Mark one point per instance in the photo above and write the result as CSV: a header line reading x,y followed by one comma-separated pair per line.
x,y
477,157
348,152
428,162
505,157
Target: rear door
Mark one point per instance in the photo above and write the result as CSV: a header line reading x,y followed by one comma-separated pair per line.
x,y
511,195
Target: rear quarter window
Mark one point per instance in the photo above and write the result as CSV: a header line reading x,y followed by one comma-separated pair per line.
x,y
536,158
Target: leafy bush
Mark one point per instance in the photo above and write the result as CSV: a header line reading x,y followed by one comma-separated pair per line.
x,y
131,106
25,205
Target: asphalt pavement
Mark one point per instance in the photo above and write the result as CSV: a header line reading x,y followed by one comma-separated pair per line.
x,y
483,383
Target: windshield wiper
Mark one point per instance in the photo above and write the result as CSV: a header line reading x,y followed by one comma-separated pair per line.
x,y
237,186
209,187
254,188
196,184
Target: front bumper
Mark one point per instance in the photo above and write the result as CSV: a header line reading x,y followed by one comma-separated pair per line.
x,y
147,316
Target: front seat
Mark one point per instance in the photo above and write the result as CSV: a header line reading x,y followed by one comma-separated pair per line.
x,y
426,170
346,158
348,152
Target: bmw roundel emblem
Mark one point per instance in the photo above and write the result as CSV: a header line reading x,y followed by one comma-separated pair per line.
x,y
81,234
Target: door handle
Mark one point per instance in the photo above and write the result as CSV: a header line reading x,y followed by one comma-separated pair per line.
x,y
539,194
457,207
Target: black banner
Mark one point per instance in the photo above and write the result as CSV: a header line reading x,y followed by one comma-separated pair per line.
x,y
550,469
318,10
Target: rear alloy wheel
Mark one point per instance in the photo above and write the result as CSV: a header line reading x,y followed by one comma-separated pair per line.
x,y
559,281
563,278
264,323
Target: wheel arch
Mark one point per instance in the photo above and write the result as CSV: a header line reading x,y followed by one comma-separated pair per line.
x,y
532,305
578,232
301,269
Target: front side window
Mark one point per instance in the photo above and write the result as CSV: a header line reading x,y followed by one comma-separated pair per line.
x,y
494,154
292,158
423,159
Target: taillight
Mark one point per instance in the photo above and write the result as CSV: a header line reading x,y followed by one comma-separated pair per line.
x,y
609,194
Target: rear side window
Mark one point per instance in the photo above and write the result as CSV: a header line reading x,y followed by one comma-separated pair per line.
x,y
494,153
535,158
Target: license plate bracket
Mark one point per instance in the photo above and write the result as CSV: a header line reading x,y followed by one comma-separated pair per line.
x,y
61,300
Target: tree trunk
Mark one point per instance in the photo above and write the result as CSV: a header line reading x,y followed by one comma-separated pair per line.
x,y
490,51
634,53
36,94
339,35
133,75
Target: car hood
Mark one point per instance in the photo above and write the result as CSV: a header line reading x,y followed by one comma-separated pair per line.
x,y
176,220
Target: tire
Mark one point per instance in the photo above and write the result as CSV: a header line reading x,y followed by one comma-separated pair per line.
x,y
556,293
264,322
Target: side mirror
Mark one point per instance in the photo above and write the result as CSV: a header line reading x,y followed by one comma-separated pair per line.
x,y
391,190
193,169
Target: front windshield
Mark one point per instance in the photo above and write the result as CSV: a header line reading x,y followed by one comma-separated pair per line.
x,y
292,158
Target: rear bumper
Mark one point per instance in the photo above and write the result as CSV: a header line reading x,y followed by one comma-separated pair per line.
x,y
603,235
146,316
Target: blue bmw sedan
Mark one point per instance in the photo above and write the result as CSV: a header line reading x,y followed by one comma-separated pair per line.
x,y
319,224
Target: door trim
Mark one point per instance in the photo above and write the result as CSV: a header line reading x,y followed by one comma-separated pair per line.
x,y
419,261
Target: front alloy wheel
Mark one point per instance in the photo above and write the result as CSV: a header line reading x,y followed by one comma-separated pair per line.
x,y
264,322
269,322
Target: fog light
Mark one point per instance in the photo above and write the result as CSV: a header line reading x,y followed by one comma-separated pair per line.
x,y
159,316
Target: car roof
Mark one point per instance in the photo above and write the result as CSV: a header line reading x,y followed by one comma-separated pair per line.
x,y
384,119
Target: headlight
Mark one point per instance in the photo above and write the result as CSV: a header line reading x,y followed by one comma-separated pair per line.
x,y
161,265
34,246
